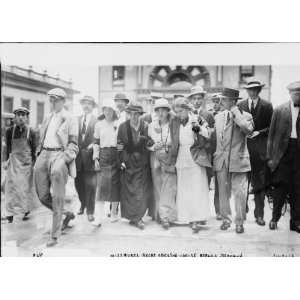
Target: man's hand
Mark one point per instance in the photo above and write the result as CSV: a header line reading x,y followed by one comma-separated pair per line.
x,y
270,163
253,134
120,147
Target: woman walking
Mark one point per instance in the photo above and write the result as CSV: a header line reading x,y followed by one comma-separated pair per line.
x,y
106,159
136,183
189,144
164,177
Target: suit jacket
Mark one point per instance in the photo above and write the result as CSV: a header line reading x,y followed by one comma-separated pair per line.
x,y
199,150
279,134
84,159
67,134
262,119
235,134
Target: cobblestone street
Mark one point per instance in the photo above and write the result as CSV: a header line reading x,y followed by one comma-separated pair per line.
x,y
29,238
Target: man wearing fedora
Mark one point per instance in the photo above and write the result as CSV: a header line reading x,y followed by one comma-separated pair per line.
x,y
283,154
121,102
57,150
261,111
231,159
86,179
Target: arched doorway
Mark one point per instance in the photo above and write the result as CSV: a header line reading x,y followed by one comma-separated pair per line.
x,y
163,77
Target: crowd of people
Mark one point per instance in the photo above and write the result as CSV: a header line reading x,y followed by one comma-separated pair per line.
x,y
160,164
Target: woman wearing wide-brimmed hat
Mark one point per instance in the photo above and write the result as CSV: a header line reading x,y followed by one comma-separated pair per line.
x,y
106,159
164,178
189,152
136,183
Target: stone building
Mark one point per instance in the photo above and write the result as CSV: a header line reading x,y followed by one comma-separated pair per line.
x,y
26,87
143,83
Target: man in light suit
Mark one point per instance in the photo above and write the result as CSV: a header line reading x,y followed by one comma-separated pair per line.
x,y
283,154
261,111
231,159
57,152
86,179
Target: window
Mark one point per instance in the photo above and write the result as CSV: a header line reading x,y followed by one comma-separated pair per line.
x,y
40,112
8,104
118,75
26,103
246,71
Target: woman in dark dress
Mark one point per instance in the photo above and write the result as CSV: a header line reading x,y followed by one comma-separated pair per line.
x,y
136,183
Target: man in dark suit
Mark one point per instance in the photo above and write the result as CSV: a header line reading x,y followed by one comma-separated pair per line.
x,y
86,179
261,111
283,154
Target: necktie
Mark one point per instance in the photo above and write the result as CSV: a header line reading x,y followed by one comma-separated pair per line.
x,y
252,107
228,118
83,129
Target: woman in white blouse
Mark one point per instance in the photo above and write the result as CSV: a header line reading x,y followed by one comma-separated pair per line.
x,y
106,159
164,178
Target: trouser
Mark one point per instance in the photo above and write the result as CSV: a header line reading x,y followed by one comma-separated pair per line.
x,y
86,184
259,200
100,210
164,185
286,179
216,196
51,170
234,184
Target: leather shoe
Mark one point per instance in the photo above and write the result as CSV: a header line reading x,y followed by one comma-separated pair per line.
x,y
69,216
81,211
239,229
273,225
294,227
91,218
52,242
225,225
165,225
260,221
195,227
219,217
140,225
25,218
10,219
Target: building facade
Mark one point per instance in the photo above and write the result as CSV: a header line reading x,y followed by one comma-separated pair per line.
x,y
142,83
28,88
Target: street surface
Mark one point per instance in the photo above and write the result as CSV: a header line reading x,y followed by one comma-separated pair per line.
x,y
120,239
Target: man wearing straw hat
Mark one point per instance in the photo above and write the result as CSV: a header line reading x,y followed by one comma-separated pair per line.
x,y
261,111
121,101
86,181
231,159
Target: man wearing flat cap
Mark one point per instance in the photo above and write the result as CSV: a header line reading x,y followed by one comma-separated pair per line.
x,y
86,177
57,152
261,111
283,154
231,159
21,147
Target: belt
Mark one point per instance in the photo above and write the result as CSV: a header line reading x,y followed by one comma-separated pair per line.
x,y
112,147
51,149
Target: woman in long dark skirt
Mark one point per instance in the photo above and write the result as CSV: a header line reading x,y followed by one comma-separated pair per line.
x,y
136,184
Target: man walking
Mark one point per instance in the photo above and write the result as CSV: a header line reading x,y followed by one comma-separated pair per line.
x,y
20,196
261,111
283,154
86,179
57,153
231,159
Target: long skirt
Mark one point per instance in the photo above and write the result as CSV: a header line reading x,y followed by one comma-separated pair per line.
x,y
108,179
136,188
192,189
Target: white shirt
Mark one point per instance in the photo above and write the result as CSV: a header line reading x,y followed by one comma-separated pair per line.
x,y
51,139
295,113
107,133
250,103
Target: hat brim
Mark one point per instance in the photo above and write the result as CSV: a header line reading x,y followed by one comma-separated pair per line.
x,y
90,101
166,107
21,110
197,93
135,111
123,99
253,86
